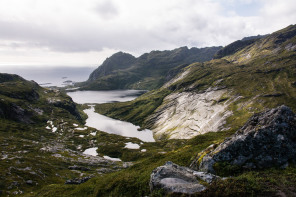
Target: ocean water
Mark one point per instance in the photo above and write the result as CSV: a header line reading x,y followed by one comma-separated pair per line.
x,y
50,75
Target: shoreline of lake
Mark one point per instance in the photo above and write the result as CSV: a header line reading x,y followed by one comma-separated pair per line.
x,y
104,123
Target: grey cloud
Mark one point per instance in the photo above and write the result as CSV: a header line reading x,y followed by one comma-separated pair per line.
x,y
106,9
78,39
193,30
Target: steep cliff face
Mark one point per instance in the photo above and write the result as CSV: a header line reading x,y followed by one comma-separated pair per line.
x,y
149,71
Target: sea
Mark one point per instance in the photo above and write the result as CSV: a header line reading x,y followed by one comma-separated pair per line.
x,y
47,76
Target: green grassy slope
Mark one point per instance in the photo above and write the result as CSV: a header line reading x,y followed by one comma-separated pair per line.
x,y
264,79
134,181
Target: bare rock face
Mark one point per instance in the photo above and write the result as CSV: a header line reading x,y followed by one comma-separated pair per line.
x,y
267,139
188,114
172,178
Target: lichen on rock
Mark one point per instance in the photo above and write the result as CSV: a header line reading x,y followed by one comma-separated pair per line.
x,y
267,139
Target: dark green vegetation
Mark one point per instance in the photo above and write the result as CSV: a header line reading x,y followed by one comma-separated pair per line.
x,y
134,181
39,139
25,108
149,71
261,75
134,111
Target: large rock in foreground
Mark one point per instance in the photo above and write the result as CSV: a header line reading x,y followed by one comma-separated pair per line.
x,y
172,178
267,139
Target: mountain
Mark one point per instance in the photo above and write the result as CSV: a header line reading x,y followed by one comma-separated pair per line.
x,y
149,71
220,94
42,139
231,116
237,45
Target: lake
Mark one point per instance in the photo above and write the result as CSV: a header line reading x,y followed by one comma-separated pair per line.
x,y
110,96
106,124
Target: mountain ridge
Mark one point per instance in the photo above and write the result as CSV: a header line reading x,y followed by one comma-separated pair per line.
x,y
252,79
148,71
210,101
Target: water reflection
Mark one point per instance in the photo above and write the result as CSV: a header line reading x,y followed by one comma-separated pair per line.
x,y
82,97
118,127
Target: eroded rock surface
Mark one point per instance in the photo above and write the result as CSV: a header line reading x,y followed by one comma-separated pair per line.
x,y
187,114
172,178
267,139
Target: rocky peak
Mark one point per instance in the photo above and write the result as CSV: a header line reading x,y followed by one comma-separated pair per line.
x,y
267,139
117,61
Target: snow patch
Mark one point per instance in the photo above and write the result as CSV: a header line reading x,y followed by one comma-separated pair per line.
x,y
93,133
50,122
112,159
75,125
81,135
54,129
81,129
131,145
143,150
91,151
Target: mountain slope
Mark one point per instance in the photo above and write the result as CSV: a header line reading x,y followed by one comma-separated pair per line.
x,y
222,93
240,87
42,139
236,46
149,71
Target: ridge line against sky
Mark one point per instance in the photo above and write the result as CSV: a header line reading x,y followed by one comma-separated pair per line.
x,y
86,32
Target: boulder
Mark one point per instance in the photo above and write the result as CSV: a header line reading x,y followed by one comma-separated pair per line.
x,y
81,168
267,139
77,181
172,178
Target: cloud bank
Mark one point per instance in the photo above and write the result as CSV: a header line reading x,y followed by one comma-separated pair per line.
x,y
78,32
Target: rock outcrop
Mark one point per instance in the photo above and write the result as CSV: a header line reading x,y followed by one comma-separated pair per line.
x,y
77,181
172,178
188,114
267,139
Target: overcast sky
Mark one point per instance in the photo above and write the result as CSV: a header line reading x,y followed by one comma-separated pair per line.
x,y
85,32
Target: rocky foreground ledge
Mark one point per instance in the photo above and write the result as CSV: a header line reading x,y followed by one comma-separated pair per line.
x,y
172,178
267,139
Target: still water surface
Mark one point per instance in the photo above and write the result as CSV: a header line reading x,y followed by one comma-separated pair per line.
x,y
104,123
110,96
